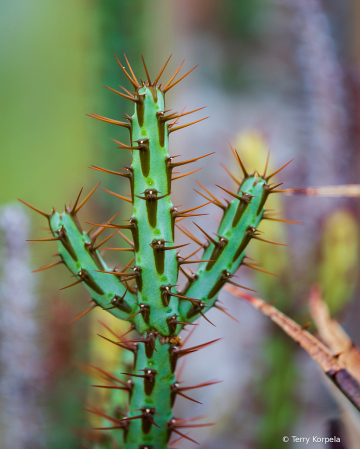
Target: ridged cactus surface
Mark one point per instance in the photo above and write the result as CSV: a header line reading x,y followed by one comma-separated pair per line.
x,y
146,292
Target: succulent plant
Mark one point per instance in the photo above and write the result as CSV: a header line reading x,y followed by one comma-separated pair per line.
x,y
145,291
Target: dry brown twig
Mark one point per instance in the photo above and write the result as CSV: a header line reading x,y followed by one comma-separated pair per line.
x,y
331,364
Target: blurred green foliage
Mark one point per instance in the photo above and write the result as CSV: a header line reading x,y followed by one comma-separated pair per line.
x,y
339,262
45,87
56,57
277,391
240,17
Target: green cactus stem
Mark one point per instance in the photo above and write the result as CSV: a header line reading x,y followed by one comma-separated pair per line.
x,y
147,296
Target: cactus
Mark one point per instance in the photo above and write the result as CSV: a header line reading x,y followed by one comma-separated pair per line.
x,y
147,296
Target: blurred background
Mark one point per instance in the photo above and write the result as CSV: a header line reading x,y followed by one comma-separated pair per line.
x,y
274,74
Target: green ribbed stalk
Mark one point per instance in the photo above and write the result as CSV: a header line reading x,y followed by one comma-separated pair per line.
x,y
152,217
155,405
156,309
78,254
237,228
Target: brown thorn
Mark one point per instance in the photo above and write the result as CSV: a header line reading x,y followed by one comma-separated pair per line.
x,y
288,191
182,114
110,330
101,228
94,167
109,120
185,274
181,215
186,125
49,266
184,436
143,376
83,313
133,417
266,164
126,239
177,164
126,73
207,198
173,77
186,298
167,248
267,241
73,211
207,319
184,421
190,235
206,235
216,201
129,93
278,170
187,339
117,195
272,186
280,220
249,265
134,314
161,71
35,208
51,239
111,387
146,70
230,174
239,161
184,323
71,285
128,265
110,376
104,241
186,174
183,352
178,219
99,413
204,384
86,198
170,86
230,193
193,253
196,425
121,94
177,118
172,443
226,313
238,285
123,146
187,397
131,71
121,344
